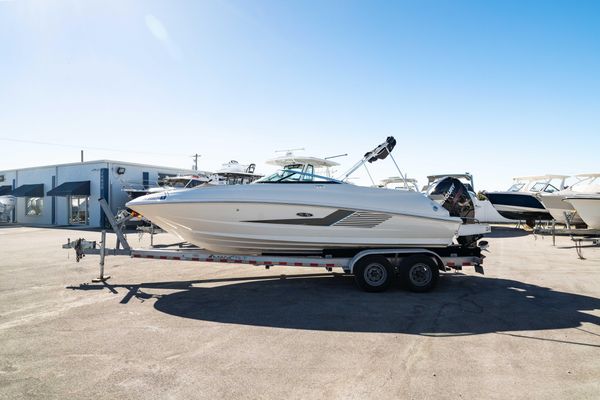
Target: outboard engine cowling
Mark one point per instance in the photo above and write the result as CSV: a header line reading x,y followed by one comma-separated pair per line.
x,y
453,195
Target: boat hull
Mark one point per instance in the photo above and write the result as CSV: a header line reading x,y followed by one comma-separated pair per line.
x,y
518,206
553,202
248,223
588,209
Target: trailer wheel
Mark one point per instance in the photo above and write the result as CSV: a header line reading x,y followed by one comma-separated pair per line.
x,y
419,273
374,273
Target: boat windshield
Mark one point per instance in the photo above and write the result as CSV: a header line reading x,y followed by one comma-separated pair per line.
x,y
550,189
292,175
543,187
538,187
516,187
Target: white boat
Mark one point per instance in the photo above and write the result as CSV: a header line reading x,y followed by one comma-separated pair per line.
x,y
135,190
563,211
231,173
588,208
7,204
292,211
399,183
519,202
484,210
234,173
307,164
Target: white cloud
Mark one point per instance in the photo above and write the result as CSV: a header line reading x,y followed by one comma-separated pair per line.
x,y
157,28
160,32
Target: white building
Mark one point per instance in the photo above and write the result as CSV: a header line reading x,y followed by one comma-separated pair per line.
x,y
68,194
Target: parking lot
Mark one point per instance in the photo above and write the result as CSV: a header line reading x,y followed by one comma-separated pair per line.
x,y
528,328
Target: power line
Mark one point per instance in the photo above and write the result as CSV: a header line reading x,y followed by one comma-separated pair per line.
x,y
88,148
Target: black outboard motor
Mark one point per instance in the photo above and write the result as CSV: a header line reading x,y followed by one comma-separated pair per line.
x,y
453,195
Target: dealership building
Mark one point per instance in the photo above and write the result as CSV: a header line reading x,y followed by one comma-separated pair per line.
x,y
68,194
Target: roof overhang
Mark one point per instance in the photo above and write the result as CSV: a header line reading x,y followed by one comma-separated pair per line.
x,y
5,190
81,188
33,190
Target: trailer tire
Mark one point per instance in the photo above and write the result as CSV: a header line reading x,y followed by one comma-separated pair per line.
x,y
419,273
374,273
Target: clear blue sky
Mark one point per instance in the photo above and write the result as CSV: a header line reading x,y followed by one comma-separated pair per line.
x,y
499,89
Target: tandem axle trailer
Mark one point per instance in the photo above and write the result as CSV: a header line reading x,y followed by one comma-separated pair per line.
x,y
374,270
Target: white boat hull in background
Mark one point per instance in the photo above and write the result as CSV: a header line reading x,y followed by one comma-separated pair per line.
x,y
588,208
486,213
560,209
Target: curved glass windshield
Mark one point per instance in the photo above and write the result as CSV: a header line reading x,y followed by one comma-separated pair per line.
x,y
550,189
295,176
538,187
516,187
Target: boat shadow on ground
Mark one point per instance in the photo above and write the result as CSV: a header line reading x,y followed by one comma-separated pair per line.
x,y
507,232
460,305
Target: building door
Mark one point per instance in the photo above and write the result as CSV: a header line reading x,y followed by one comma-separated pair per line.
x,y
78,210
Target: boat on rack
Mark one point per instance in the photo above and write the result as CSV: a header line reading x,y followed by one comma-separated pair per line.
x,y
135,190
295,211
231,173
234,173
563,211
588,208
520,203
306,164
399,183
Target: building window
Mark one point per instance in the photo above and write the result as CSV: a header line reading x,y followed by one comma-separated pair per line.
x,y
78,210
34,206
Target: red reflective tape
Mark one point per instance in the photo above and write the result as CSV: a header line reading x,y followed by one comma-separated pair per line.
x,y
195,259
149,256
223,260
330,265
466,264
450,264
283,263
163,257
268,263
176,258
136,256
313,264
298,264
252,262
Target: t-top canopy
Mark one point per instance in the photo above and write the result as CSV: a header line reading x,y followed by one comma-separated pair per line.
x,y
289,159
81,188
34,190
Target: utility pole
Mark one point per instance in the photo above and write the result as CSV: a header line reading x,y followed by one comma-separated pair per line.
x,y
195,157
81,155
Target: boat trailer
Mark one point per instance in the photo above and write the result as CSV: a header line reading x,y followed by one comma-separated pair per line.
x,y
374,269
